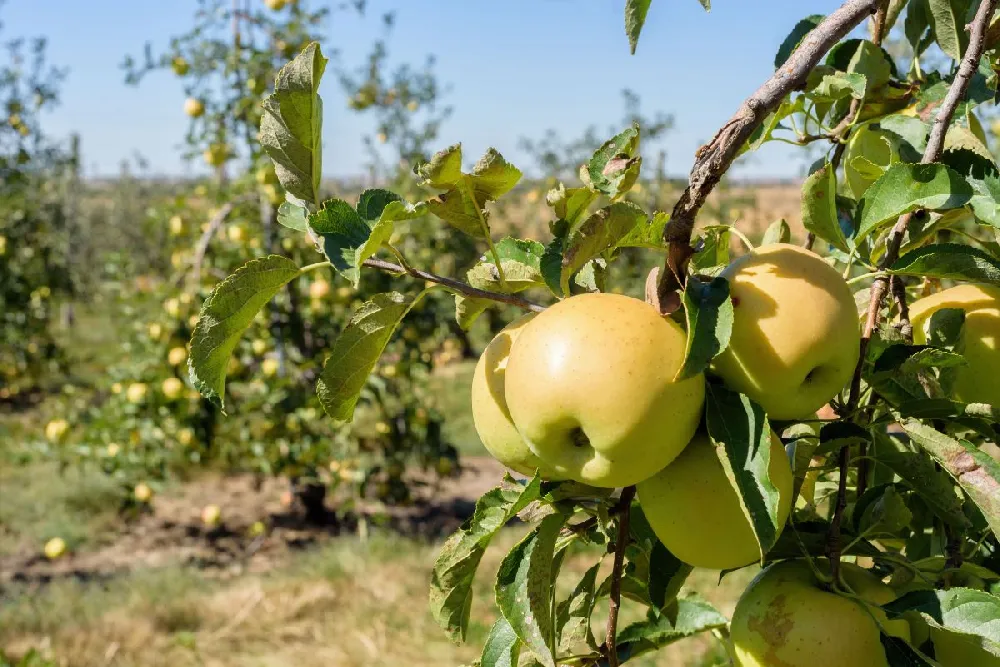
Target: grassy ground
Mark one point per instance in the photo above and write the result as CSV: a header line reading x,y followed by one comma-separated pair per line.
x,y
349,603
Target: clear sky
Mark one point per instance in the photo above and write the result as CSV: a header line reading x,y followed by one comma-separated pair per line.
x,y
515,68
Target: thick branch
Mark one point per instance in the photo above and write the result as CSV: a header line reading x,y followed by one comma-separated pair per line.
x,y
935,145
615,594
455,285
715,158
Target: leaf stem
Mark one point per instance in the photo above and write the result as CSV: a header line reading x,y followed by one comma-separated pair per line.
x,y
615,594
742,237
454,285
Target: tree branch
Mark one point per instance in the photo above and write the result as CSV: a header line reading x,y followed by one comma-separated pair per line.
x,y
715,158
206,238
615,594
455,285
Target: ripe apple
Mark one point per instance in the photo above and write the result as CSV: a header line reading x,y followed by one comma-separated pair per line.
x,y
276,5
142,492
172,388
489,406
155,331
176,225
194,107
176,356
590,386
216,154
55,548
236,233
259,346
696,513
256,529
785,618
319,289
113,449
211,516
795,337
136,393
185,436
56,430
3,246
979,343
269,367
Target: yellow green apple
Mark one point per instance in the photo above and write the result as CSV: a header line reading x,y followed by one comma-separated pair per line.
x,y
954,649
786,618
489,406
695,511
795,339
591,386
55,548
979,343
194,107
172,388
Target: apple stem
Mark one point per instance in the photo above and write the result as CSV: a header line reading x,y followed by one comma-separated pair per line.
x,y
623,506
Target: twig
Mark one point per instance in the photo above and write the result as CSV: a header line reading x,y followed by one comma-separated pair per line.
x,y
615,594
714,159
833,546
455,285
206,238
898,290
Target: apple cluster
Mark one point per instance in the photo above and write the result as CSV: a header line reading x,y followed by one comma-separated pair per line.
x,y
588,390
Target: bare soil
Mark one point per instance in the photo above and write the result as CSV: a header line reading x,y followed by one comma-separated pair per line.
x,y
171,532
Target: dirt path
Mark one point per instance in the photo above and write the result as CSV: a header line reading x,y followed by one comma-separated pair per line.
x,y
173,533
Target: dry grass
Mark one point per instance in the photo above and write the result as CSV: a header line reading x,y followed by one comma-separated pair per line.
x,y
348,604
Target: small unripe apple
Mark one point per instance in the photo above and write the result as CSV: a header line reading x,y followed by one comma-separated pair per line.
x,y
695,511
979,380
180,66
269,367
136,393
142,492
56,430
795,338
194,107
211,515
216,154
591,386
172,388
55,548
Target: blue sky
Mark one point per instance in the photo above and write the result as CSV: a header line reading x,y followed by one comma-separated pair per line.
x,y
515,68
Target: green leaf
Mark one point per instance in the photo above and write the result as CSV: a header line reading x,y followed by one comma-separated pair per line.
x,y
819,207
907,187
709,314
712,249
887,512
948,19
689,617
614,167
635,17
982,174
741,434
351,236
291,127
570,204
975,614
665,573
293,216
227,313
795,37
828,85
860,56
599,233
973,469
916,24
919,472
455,568
521,262
356,351
777,232
949,260
573,613
463,204
647,235
524,587
502,646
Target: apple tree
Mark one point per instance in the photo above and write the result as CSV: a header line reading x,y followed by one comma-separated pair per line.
x,y
826,409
